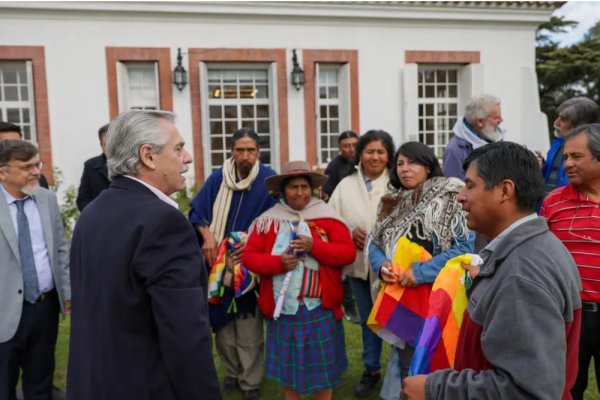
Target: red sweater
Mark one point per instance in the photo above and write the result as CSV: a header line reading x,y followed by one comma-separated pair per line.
x,y
332,256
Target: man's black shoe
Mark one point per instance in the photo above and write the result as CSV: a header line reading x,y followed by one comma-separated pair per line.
x,y
230,385
253,394
367,383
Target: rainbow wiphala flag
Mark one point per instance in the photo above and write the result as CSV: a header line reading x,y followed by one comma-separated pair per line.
x,y
241,280
426,317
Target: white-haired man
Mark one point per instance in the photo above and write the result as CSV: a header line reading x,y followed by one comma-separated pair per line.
x,y
140,328
479,126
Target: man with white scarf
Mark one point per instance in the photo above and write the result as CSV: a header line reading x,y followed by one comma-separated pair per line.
x,y
479,126
231,198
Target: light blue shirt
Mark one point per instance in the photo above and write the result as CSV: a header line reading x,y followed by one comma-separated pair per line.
x,y
38,242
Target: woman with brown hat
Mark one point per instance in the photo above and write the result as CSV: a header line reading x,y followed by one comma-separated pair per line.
x,y
299,247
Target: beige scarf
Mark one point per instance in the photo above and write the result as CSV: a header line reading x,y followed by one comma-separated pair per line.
x,y
222,203
281,212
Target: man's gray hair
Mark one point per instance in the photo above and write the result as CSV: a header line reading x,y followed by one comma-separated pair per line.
x,y
579,111
479,107
593,133
127,133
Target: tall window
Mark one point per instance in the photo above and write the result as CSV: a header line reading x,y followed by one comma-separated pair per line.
x,y
332,117
438,97
238,98
138,86
16,96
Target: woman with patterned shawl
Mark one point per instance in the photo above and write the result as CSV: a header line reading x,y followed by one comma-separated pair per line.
x,y
298,247
424,208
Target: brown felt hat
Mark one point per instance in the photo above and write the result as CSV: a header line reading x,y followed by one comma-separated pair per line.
x,y
291,169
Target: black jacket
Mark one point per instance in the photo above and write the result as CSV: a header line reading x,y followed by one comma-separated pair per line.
x,y
93,180
139,323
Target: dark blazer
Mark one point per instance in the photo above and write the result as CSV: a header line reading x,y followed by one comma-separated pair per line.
x,y
93,180
139,321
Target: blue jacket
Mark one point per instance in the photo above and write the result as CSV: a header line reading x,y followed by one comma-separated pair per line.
x,y
426,272
561,179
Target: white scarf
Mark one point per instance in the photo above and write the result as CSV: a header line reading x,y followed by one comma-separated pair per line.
x,y
222,203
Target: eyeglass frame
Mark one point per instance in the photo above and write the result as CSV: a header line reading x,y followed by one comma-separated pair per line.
x,y
570,232
27,167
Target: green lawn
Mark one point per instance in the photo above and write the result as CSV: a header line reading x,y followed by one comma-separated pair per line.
x,y
270,390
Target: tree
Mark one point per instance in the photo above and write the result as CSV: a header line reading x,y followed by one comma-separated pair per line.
x,y
565,72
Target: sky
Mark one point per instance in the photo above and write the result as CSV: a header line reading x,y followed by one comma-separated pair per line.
x,y
587,13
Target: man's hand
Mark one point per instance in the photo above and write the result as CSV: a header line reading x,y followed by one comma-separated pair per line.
x,y
210,246
540,158
302,244
67,307
288,261
413,388
386,274
236,256
359,235
473,270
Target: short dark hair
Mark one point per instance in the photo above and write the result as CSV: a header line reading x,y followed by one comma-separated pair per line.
x,y
8,127
508,160
593,134
579,111
102,131
347,135
417,152
20,150
375,135
242,133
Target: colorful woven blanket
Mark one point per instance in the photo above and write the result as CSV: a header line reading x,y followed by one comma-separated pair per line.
x,y
224,275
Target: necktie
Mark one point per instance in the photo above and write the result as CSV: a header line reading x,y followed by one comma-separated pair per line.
x,y
30,279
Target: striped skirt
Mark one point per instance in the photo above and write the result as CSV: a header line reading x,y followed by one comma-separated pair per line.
x,y
306,351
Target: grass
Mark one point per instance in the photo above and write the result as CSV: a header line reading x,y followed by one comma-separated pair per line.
x,y
271,391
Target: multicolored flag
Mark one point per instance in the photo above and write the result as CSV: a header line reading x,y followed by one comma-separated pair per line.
x,y
399,313
224,275
436,348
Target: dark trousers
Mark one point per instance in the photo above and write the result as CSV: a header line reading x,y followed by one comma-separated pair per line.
x,y
31,350
589,347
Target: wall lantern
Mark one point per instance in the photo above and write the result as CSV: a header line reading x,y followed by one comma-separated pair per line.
x,y
297,72
179,73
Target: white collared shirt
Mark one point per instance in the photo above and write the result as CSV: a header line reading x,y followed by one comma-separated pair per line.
x,y
157,192
38,242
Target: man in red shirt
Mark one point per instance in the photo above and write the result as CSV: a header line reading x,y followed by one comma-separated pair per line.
x,y
573,214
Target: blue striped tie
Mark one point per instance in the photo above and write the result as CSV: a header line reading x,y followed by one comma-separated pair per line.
x,y
30,279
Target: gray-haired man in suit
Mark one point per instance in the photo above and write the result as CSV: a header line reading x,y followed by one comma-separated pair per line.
x,y
34,278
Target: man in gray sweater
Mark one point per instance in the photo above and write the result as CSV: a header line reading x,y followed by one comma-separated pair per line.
x,y
519,335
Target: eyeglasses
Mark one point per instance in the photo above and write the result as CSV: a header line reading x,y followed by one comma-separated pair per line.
x,y
28,167
570,231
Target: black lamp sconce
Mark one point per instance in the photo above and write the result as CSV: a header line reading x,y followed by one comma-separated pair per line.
x,y
297,72
179,73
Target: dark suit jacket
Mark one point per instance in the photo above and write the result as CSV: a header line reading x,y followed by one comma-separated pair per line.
x,y
93,180
139,322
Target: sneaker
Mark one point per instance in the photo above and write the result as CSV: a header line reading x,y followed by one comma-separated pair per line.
x,y
366,384
230,385
253,394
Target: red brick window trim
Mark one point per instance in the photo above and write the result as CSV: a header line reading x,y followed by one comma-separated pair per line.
x,y
441,57
36,55
127,54
198,55
310,58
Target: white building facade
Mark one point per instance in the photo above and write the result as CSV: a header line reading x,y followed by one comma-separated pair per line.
x,y
67,68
